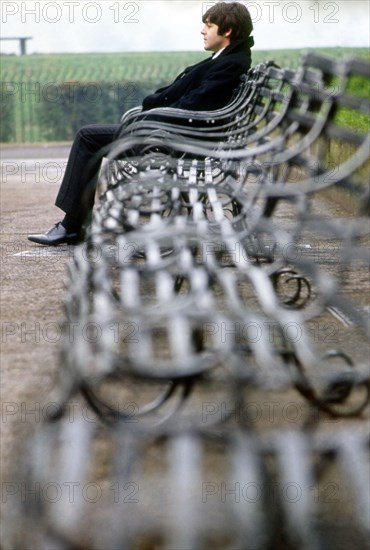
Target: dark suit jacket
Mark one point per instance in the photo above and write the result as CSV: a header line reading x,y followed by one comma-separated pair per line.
x,y
208,85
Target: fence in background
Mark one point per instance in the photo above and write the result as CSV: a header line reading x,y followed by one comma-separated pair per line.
x,y
33,112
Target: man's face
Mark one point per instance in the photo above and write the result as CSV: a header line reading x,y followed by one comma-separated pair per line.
x,y
214,42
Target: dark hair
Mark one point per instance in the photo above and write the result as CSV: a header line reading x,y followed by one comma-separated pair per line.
x,y
230,15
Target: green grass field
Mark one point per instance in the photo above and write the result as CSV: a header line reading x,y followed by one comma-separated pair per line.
x,y
31,86
136,67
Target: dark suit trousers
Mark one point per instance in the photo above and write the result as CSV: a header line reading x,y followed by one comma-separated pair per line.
x,y
77,190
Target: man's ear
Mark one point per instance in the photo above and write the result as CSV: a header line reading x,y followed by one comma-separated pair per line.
x,y
228,33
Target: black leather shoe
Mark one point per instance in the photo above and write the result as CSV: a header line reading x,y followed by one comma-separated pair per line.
x,y
56,235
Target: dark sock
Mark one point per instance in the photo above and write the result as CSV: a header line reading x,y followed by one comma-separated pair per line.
x,y
71,224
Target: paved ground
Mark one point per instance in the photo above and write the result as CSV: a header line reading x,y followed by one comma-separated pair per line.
x,y
31,290
32,293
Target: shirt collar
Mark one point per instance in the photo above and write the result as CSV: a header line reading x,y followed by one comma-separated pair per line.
x,y
218,53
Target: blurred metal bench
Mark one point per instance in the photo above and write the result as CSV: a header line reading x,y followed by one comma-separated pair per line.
x,y
189,314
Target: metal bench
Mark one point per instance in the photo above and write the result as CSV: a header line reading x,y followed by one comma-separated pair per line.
x,y
193,332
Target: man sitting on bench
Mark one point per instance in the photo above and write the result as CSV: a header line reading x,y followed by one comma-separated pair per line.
x,y
205,86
